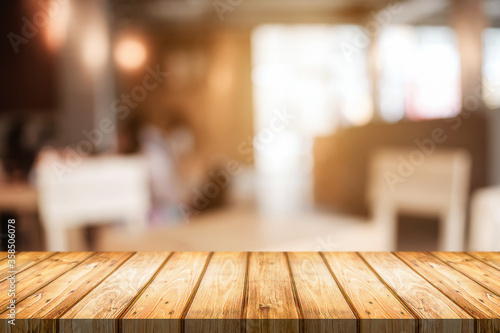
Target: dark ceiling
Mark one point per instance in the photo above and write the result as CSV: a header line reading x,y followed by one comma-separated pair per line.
x,y
248,13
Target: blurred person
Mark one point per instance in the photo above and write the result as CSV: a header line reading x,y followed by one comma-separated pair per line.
x,y
23,140
18,156
3,176
178,170
163,150
163,174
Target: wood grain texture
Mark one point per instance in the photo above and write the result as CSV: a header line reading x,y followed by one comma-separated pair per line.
x,y
271,305
472,297
57,297
23,260
220,295
3,255
161,305
378,309
255,292
323,306
38,276
477,270
111,298
435,311
490,258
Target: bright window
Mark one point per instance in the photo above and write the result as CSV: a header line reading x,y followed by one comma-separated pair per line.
x,y
302,74
491,68
419,73
305,68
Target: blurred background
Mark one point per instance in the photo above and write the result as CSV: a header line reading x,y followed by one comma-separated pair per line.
x,y
240,125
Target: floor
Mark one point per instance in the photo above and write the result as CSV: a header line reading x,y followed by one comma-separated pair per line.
x,y
245,230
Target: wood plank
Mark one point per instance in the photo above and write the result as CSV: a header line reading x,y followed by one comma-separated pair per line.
x,y
218,303
471,296
266,292
55,298
322,304
491,258
23,260
478,271
376,306
3,255
38,276
271,305
104,304
161,305
436,311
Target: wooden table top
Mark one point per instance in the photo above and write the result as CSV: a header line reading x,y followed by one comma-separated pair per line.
x,y
253,292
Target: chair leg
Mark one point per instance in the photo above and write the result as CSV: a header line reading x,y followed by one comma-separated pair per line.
x,y
482,224
452,231
56,238
391,234
386,223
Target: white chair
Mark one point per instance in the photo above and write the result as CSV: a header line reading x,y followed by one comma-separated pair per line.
x,y
411,182
96,190
485,220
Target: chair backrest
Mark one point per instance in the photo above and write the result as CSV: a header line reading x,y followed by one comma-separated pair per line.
x,y
417,182
95,190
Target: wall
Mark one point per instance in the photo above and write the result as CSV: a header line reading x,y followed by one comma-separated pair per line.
x,y
342,160
208,87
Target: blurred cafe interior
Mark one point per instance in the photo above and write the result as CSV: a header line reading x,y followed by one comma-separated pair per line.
x,y
250,125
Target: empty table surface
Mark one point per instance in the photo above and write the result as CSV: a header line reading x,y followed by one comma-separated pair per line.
x,y
252,292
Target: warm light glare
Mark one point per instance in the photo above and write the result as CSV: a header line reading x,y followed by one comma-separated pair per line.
x,y
396,46
130,53
358,110
95,47
57,26
271,75
436,81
